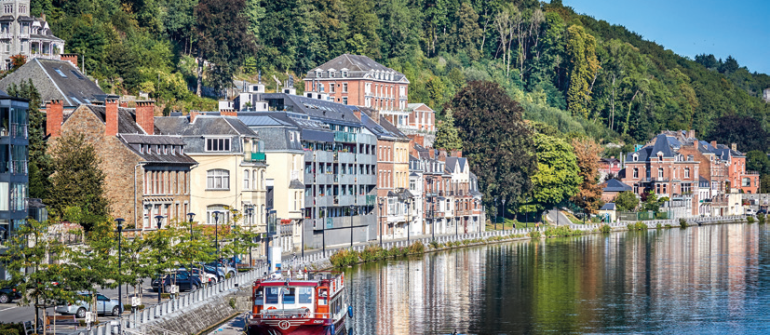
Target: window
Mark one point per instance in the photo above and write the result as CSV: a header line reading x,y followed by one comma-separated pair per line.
x,y
271,294
660,172
60,72
636,158
218,144
331,88
224,214
218,179
305,295
687,172
344,87
344,73
246,183
344,100
746,182
320,87
8,9
636,173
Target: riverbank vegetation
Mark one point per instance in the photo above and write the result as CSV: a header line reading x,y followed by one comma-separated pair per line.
x,y
637,226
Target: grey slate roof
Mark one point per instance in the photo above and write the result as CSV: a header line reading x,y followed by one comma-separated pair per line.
x,y
203,125
608,207
73,90
296,185
134,142
662,145
126,119
614,185
393,129
376,129
357,66
315,108
451,162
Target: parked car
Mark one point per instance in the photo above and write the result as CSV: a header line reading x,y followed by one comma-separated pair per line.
x,y
82,305
8,295
203,275
749,211
220,274
227,269
181,279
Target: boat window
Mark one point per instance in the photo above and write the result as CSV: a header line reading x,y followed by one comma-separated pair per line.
x,y
271,295
322,296
259,298
305,295
288,295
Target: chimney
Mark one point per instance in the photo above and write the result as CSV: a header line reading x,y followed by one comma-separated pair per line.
x,y
691,134
734,146
111,117
714,144
417,139
228,112
123,103
72,58
145,115
456,153
357,112
193,115
54,116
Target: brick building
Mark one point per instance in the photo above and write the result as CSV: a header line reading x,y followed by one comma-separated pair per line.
x,y
660,167
146,174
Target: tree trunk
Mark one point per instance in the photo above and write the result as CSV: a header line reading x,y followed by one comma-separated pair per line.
x,y
199,90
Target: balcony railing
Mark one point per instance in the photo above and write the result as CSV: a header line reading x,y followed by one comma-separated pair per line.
x,y
343,136
256,157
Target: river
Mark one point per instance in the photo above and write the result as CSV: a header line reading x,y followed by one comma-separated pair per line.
x,y
704,280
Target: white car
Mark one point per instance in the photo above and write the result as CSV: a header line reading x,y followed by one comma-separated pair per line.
x,y
749,211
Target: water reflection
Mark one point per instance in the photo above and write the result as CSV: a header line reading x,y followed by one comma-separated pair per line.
x,y
698,280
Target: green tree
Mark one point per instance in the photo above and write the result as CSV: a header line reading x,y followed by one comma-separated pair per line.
x,y
446,135
502,152
468,31
581,49
745,131
78,180
651,202
361,19
557,178
220,31
626,201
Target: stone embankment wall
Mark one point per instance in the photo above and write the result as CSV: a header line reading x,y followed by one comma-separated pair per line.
x,y
204,316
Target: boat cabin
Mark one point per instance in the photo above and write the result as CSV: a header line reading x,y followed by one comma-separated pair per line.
x,y
321,297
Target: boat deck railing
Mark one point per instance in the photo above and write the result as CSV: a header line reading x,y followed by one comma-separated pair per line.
x,y
297,313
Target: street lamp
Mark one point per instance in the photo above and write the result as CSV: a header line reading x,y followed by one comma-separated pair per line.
x,y
159,219
408,222
432,213
120,262
379,203
503,213
495,215
190,217
351,226
216,240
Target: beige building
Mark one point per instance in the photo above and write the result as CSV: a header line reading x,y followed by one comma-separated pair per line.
x,y
285,180
230,176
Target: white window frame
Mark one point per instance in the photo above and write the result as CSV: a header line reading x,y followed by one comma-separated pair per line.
x,y
218,180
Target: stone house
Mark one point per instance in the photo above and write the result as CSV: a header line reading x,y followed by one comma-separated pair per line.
x,y
146,174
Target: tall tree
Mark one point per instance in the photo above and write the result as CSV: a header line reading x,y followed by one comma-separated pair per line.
x,y
78,180
362,20
745,131
468,31
222,39
495,139
588,152
557,178
581,48
446,136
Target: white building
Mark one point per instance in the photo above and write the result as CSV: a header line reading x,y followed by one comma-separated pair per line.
x,y
22,34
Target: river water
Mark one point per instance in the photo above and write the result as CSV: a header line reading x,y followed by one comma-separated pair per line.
x,y
700,280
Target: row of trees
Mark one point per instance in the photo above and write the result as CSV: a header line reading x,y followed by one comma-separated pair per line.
x,y
531,164
49,270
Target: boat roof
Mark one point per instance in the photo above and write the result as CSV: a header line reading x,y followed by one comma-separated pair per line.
x,y
278,282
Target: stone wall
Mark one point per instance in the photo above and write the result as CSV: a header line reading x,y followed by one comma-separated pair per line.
x,y
206,315
116,161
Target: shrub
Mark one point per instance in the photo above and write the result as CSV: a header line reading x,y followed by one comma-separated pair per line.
x,y
640,226
561,231
416,248
534,234
434,244
228,275
630,226
668,226
605,229
682,223
658,226
750,219
344,258
128,307
232,303
761,218
370,253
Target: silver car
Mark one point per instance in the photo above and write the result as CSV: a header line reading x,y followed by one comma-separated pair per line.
x,y
104,305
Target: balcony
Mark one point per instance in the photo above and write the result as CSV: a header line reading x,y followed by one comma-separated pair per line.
x,y
255,157
345,137
347,157
6,35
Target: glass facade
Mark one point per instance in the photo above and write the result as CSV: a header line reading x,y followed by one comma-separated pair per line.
x,y
14,156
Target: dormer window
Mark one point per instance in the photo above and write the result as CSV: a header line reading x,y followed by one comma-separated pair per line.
x,y
217,144
344,73
635,158
157,149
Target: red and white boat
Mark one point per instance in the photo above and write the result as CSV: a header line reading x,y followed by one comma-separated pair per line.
x,y
316,305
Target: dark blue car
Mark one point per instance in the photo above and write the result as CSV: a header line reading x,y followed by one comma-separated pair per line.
x,y
181,279
8,295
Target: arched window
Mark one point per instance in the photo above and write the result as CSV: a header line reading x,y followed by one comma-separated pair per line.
x,y
246,182
636,173
687,172
218,179
224,217
660,172
262,180
636,158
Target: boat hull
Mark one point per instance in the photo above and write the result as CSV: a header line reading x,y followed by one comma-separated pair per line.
x,y
297,326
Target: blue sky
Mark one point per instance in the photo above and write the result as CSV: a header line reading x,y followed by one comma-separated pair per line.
x,y
740,28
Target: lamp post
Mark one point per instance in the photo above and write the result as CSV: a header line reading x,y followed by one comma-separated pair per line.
x,y
159,219
250,214
495,215
432,208
408,222
379,203
120,262
351,226
503,213
584,210
216,239
190,217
